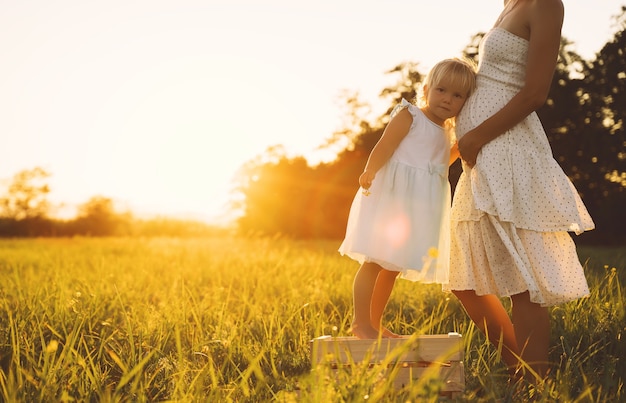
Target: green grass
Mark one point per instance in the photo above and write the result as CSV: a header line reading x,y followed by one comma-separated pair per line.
x,y
231,319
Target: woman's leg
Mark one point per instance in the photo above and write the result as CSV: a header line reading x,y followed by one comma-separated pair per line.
x,y
363,290
382,291
532,330
489,315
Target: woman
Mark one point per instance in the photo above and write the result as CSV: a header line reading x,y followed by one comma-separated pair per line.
x,y
513,205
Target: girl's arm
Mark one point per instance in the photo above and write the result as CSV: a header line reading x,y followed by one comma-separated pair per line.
x,y
544,22
395,131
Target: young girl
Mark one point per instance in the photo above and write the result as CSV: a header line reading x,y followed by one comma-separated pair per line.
x,y
398,222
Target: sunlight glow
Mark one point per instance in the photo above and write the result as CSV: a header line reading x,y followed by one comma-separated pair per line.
x,y
397,230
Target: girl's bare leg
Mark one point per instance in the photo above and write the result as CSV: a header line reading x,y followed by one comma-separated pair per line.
x,y
382,291
363,290
489,315
532,330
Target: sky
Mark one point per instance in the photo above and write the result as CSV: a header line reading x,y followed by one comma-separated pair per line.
x,y
156,104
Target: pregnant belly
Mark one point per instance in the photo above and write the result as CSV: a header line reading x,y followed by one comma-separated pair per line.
x,y
483,104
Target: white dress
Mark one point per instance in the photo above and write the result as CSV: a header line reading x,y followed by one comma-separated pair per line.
x,y
403,224
512,211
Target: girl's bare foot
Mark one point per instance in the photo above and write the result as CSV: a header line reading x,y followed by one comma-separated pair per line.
x,y
370,332
364,332
389,334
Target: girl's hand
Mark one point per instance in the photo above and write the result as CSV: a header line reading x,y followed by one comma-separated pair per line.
x,y
366,178
469,146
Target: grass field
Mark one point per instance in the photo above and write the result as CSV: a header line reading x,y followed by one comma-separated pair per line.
x,y
231,319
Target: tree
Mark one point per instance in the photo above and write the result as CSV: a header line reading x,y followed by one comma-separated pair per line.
x,y
601,160
275,191
27,196
97,217
407,87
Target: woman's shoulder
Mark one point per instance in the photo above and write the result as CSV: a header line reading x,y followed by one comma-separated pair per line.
x,y
554,7
545,18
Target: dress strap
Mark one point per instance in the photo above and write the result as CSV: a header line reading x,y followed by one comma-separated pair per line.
x,y
403,104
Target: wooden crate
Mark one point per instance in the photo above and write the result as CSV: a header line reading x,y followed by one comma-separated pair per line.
x,y
407,359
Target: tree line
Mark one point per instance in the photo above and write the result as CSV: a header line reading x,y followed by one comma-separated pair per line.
x,y
584,118
26,212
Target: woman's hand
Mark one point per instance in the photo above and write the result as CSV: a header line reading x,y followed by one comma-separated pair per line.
x,y
469,146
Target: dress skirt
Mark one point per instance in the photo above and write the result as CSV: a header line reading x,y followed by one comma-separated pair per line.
x,y
402,223
494,257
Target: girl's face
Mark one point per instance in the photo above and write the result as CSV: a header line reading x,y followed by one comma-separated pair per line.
x,y
444,101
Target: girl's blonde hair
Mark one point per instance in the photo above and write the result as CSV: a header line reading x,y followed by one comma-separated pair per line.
x,y
454,72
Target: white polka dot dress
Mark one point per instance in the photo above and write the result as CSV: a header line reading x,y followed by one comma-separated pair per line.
x,y
512,211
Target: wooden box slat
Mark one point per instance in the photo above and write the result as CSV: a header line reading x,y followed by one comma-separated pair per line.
x,y
422,348
453,377
408,357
